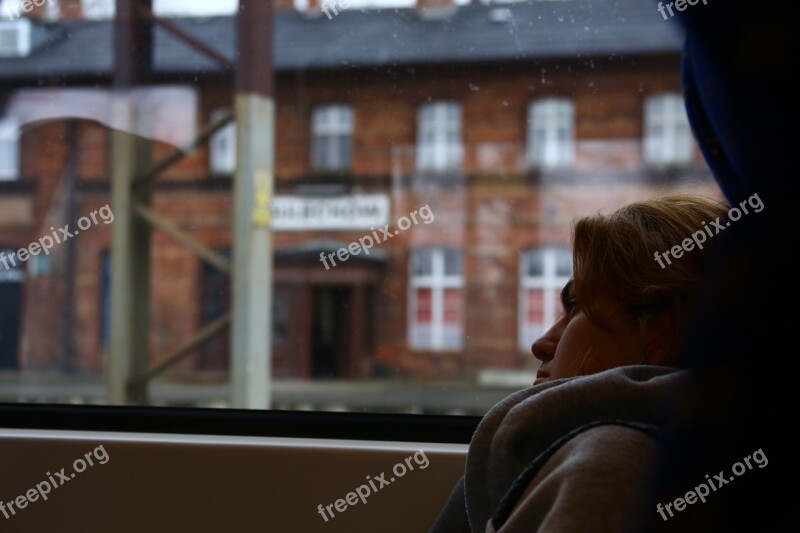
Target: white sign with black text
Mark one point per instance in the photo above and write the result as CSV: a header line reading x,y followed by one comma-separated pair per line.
x,y
358,212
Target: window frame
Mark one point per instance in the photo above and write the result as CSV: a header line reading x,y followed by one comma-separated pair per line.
x,y
379,427
224,417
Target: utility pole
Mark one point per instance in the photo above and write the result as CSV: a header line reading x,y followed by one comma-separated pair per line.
x,y
130,235
251,339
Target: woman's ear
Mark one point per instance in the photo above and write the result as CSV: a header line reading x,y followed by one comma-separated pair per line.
x,y
654,352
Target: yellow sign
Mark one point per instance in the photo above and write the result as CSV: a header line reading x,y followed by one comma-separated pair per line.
x,y
261,208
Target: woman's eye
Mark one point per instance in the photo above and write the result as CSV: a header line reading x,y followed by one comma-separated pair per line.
x,y
570,306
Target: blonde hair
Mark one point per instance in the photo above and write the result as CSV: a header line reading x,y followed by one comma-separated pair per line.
x,y
614,254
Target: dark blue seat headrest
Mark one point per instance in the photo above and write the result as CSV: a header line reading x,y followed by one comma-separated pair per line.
x,y
742,110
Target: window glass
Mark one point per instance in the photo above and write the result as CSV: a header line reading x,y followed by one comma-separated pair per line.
x,y
390,219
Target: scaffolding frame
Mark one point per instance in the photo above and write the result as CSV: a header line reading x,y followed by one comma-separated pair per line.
x,y
132,180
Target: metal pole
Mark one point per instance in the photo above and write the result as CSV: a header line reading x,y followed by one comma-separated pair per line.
x,y
251,338
130,235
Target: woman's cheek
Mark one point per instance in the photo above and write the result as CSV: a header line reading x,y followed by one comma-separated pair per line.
x,y
570,353
593,365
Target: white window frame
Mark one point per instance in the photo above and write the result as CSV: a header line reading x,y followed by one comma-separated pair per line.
x,y
331,121
667,135
437,281
222,146
551,133
550,283
9,150
439,142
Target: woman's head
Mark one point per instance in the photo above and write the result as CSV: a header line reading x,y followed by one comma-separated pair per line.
x,y
621,306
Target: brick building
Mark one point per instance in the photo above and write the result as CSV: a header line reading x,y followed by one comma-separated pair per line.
x,y
503,121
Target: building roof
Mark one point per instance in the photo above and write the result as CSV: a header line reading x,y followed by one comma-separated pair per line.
x,y
384,37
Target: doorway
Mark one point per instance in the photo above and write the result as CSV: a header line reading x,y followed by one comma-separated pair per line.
x,y
329,330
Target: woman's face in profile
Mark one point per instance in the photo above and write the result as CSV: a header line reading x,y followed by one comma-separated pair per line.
x,y
576,346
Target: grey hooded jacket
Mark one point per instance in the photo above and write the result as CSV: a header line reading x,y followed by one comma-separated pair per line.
x,y
567,455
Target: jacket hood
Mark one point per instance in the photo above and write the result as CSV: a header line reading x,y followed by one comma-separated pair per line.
x,y
522,426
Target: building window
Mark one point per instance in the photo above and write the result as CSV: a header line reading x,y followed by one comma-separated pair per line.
x,y
436,301
15,35
11,268
667,136
40,265
222,156
551,133
98,9
543,273
439,145
9,150
331,137
52,10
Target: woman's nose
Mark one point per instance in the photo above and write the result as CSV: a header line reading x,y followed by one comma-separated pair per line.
x,y
544,348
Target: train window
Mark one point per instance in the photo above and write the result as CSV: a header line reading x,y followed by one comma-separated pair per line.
x,y
297,205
